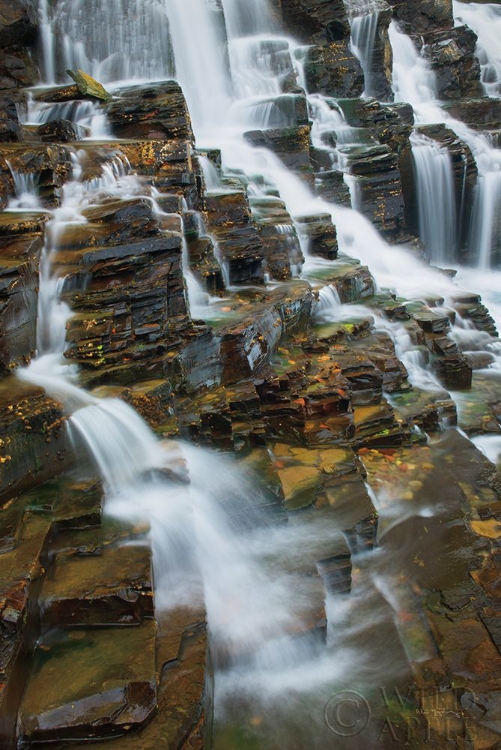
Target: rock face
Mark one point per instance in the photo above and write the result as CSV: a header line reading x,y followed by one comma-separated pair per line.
x,y
21,240
18,30
315,21
428,15
451,54
18,23
371,20
332,69
154,112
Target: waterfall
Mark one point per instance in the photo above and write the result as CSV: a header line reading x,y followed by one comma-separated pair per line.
x,y
363,38
436,199
26,189
414,82
116,40
255,605
485,20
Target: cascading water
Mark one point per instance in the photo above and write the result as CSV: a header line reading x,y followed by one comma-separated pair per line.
x,y
363,38
26,189
436,198
485,20
414,82
113,41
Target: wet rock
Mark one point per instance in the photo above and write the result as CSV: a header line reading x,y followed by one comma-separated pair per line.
x,y
102,697
451,54
352,281
9,120
330,185
229,219
292,145
470,306
480,114
113,587
49,165
333,70
153,112
378,187
320,234
452,368
464,170
282,250
428,15
17,70
378,71
18,23
58,131
22,568
316,20
20,248
33,446
168,165
88,86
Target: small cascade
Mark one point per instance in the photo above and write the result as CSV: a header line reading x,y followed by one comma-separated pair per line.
x,y
413,79
25,186
211,174
363,39
86,115
485,20
414,82
436,199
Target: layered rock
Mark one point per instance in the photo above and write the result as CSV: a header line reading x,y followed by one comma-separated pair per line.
x,y
333,70
452,57
369,31
426,16
316,20
229,218
18,30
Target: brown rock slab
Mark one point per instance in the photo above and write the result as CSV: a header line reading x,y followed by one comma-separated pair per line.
x,y
88,86
112,586
112,688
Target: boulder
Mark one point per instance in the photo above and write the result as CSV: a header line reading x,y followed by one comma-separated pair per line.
x,y
88,86
229,218
451,54
58,131
333,70
154,111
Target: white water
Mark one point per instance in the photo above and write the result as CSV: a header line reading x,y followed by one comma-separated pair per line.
x,y
436,198
26,190
485,20
363,39
415,82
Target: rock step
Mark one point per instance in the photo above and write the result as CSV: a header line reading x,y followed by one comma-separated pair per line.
x,y
351,280
113,685
27,528
112,585
184,689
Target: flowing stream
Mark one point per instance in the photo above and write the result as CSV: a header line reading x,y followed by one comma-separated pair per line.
x,y
243,571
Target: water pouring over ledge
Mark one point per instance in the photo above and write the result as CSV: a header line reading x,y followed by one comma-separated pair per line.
x,y
292,665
